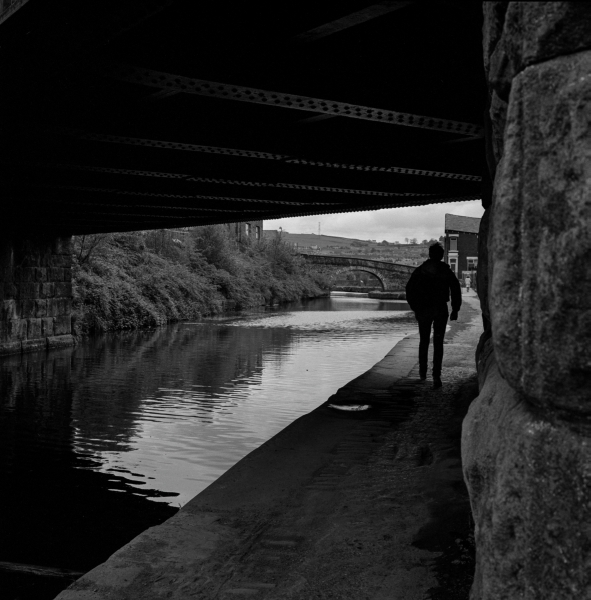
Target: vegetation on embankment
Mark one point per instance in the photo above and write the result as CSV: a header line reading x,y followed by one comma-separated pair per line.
x,y
145,279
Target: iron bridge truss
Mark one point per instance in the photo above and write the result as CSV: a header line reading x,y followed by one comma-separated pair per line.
x,y
90,140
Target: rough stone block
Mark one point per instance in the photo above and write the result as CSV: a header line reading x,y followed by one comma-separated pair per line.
x,y
63,289
9,290
60,341
62,306
25,274
10,348
27,308
46,290
59,307
492,29
8,310
62,325
55,273
501,71
7,274
540,291
67,274
40,274
16,329
29,290
533,32
62,260
52,307
34,345
47,329
33,328
61,245
530,491
45,259
498,117
40,308
57,260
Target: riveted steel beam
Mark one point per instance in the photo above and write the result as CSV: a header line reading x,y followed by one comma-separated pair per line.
x,y
164,145
214,180
361,16
199,207
114,191
212,89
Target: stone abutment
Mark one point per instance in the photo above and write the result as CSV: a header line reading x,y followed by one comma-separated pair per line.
x,y
526,444
35,294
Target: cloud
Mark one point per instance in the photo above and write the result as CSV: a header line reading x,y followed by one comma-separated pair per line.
x,y
391,224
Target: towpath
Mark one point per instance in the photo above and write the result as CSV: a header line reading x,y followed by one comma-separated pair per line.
x,y
339,505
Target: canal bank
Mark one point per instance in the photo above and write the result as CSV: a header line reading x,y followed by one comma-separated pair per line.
x,y
338,504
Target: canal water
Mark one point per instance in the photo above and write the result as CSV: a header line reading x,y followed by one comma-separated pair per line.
x,y
101,441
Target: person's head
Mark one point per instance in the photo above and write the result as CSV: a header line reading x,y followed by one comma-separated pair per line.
x,y
436,251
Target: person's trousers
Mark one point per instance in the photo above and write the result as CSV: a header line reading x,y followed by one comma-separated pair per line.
x,y
436,319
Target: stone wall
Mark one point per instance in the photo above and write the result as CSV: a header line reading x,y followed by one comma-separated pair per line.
x,y
526,443
35,294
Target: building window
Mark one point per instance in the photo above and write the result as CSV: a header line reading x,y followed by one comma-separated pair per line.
x,y
453,263
247,229
257,232
472,263
453,244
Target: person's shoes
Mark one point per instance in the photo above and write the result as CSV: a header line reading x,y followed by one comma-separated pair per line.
x,y
436,382
423,374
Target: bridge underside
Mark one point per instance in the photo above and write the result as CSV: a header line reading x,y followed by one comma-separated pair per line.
x,y
383,282
167,113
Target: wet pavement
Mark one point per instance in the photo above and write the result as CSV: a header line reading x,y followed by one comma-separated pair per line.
x,y
348,505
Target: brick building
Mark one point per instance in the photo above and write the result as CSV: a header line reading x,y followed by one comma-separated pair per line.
x,y
247,230
461,245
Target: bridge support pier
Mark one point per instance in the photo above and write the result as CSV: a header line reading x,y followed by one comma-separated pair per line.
x,y
35,294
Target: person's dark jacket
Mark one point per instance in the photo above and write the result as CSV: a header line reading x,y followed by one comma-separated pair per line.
x,y
430,285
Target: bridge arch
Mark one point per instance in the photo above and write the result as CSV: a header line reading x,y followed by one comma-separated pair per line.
x,y
392,276
374,272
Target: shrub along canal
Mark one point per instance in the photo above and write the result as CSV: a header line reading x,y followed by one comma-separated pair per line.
x,y
101,441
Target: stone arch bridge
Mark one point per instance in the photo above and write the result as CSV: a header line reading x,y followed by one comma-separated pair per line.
x,y
392,276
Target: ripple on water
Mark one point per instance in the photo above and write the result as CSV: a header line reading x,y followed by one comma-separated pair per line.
x,y
167,412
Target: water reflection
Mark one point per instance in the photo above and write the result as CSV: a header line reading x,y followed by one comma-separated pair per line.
x,y
101,441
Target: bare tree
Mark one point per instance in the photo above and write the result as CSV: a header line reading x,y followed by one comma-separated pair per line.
x,y
85,245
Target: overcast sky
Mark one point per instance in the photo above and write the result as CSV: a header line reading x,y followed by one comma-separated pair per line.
x,y
391,224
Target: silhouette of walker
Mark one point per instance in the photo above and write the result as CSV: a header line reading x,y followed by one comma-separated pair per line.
x,y
427,293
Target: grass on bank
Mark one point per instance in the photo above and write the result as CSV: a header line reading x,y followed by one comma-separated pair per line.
x,y
145,279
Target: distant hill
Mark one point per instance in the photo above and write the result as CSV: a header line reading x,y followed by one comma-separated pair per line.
x,y
411,254
311,239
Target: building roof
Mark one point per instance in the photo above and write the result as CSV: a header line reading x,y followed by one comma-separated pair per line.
x,y
458,223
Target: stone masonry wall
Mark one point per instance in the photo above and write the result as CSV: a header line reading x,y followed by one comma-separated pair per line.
x,y
526,444
35,294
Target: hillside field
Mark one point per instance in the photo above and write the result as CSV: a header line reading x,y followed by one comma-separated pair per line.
x,y
411,254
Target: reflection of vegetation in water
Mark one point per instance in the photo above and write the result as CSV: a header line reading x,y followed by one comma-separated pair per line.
x,y
114,375
56,511
59,409
145,279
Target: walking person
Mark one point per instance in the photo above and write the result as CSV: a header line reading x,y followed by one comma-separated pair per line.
x,y
468,283
427,293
